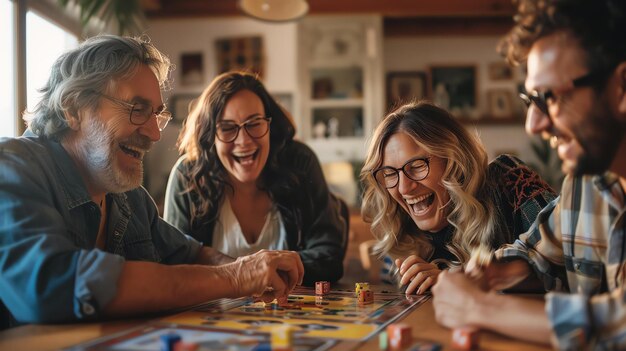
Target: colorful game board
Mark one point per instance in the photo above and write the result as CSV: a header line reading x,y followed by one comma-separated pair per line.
x,y
246,323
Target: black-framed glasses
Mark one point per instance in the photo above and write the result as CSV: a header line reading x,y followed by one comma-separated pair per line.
x,y
227,131
540,99
415,169
140,112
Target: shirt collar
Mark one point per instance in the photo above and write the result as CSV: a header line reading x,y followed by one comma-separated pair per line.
x,y
69,176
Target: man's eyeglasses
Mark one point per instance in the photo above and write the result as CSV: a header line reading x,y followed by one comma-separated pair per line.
x,y
540,99
140,113
228,131
415,169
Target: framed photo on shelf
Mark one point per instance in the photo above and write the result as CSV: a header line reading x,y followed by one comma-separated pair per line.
x,y
500,71
403,87
240,54
180,106
500,104
454,88
192,72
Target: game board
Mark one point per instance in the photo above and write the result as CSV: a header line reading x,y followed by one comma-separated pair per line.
x,y
245,323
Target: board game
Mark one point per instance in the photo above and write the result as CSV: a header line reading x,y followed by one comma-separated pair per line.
x,y
246,324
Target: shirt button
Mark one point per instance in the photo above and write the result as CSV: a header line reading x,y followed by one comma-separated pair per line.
x,y
88,309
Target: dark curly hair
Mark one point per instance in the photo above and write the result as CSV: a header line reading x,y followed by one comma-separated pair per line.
x,y
599,25
207,175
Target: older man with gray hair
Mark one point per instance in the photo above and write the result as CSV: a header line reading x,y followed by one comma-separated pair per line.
x,y
80,238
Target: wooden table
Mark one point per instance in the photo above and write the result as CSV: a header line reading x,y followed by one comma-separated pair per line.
x,y
54,337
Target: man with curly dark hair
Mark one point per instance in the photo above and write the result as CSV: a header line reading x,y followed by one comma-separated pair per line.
x,y
576,96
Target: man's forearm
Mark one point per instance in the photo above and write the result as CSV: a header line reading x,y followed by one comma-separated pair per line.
x,y
148,287
514,316
212,257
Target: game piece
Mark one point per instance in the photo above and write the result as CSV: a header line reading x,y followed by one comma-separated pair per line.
x,y
360,286
186,346
465,338
383,341
365,297
282,337
168,341
399,335
425,346
322,288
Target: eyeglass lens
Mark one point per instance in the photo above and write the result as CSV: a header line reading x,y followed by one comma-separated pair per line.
x,y
256,128
415,170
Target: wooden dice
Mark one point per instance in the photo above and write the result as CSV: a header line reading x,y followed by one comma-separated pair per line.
x,y
399,335
465,338
365,297
322,288
360,286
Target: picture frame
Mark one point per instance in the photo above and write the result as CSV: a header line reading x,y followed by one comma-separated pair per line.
x,y
240,54
180,105
406,86
500,104
499,71
192,68
454,88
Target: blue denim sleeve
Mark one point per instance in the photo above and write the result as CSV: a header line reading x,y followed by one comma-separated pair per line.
x,y
44,276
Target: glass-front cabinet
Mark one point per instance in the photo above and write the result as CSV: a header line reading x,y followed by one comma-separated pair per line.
x,y
341,81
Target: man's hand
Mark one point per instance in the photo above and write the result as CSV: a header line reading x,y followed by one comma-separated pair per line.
x,y
495,275
417,274
269,274
455,298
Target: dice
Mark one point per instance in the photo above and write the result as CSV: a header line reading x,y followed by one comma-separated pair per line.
x,y
399,335
465,338
360,286
365,297
322,288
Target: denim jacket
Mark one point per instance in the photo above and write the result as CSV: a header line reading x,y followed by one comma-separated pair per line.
x,y
49,268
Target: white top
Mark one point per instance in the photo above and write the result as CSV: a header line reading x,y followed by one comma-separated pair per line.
x,y
229,239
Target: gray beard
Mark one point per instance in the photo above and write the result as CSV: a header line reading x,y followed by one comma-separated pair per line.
x,y
98,155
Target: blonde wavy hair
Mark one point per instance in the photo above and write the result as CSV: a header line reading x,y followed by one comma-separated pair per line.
x,y
472,212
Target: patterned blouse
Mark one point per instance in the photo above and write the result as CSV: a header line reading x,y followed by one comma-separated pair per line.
x,y
519,195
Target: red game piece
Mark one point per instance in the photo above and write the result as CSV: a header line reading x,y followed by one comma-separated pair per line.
x,y
322,288
465,338
399,335
366,297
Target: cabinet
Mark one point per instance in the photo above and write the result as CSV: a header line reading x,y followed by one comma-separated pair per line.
x,y
341,80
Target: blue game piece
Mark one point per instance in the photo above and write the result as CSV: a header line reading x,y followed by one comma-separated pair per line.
x,y
264,346
168,341
425,346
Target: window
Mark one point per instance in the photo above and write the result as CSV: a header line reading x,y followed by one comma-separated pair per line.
x,y
7,86
45,42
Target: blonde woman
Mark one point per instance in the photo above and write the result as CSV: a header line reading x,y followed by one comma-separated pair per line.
x,y
432,197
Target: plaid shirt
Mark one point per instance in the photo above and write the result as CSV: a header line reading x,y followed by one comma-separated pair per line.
x,y
577,245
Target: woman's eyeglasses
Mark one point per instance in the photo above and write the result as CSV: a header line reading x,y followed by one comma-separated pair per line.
x,y
415,169
227,131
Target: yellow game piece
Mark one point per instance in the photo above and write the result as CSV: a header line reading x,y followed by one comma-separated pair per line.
x,y
360,286
282,337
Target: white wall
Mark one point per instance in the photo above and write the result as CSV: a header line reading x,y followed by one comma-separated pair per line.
x,y
418,54
177,36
